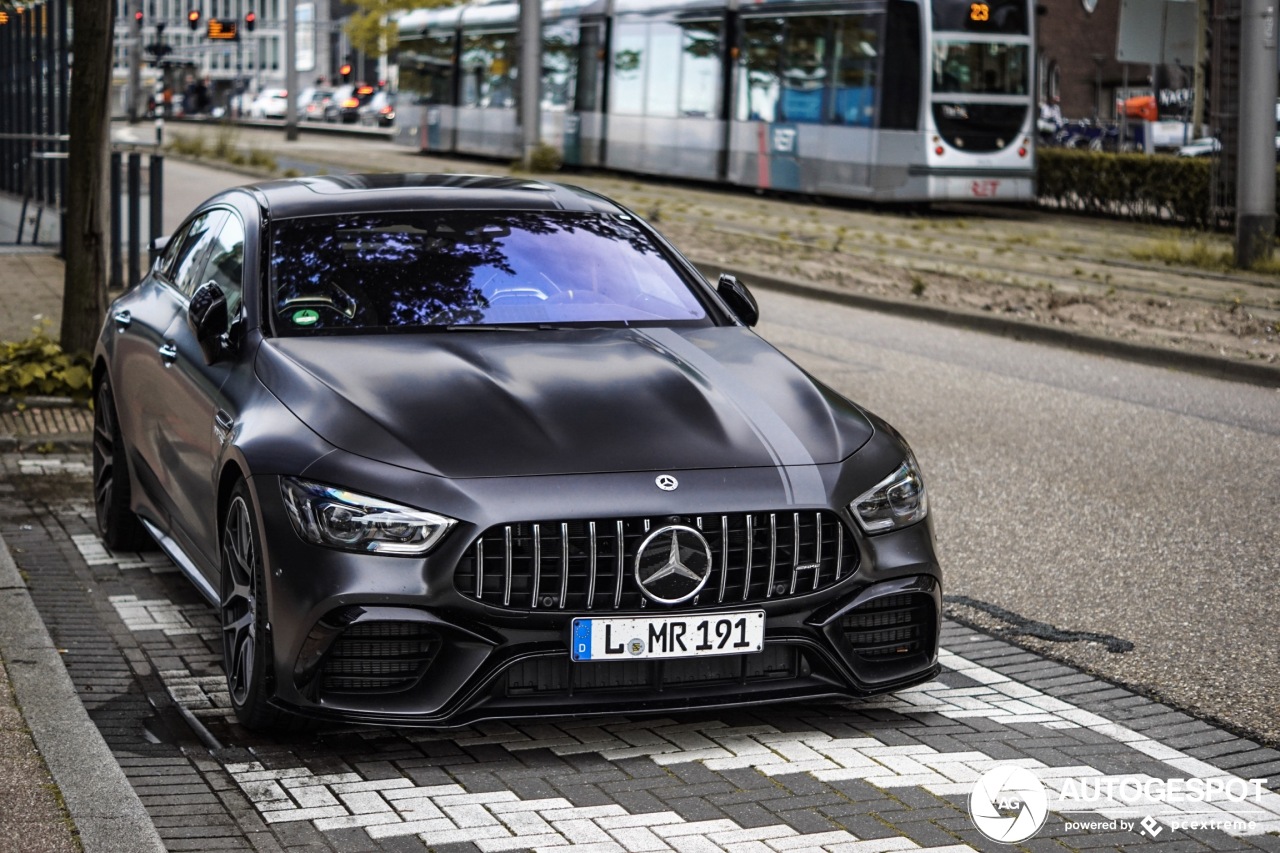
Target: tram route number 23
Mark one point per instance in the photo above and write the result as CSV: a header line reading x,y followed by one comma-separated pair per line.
x,y
984,189
979,12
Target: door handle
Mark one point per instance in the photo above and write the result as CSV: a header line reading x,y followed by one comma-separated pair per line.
x,y
168,354
223,424
123,320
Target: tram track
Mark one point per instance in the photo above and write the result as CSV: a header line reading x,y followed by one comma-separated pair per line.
x,y
1263,300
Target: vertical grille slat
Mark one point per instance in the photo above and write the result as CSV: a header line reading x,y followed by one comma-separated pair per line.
x,y
591,584
724,555
506,594
573,565
773,553
564,563
817,557
619,550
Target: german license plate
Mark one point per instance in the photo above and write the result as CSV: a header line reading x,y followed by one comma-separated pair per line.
x,y
649,637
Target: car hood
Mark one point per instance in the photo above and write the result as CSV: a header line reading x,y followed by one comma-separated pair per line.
x,y
514,403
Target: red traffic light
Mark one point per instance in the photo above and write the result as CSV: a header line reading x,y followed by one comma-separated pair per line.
x,y
193,19
250,21
137,17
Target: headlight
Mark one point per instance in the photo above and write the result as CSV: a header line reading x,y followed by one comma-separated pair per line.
x,y
336,518
896,501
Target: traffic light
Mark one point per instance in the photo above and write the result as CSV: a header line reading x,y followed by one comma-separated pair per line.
x,y
137,18
193,19
250,21
345,72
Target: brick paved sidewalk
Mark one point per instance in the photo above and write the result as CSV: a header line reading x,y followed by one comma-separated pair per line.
x,y
872,777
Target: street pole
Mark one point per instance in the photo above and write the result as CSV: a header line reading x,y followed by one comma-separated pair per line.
x,y
135,64
291,71
1197,101
1256,190
530,68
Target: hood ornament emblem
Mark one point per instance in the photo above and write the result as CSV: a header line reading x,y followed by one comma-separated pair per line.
x,y
667,483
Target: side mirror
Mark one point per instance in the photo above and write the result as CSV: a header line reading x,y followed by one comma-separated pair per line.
x,y
207,317
739,299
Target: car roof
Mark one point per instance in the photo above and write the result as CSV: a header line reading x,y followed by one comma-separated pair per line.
x,y
373,193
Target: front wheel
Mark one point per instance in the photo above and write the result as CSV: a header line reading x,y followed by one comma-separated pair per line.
x,y
245,647
119,528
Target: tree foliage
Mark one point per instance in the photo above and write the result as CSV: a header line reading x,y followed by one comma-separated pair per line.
x,y
373,29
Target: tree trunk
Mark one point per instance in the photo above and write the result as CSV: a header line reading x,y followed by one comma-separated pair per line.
x,y
84,293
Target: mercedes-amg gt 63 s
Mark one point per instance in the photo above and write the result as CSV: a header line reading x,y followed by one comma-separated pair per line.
x,y
443,448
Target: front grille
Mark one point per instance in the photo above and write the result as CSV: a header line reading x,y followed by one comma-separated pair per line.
x,y
890,626
587,565
543,676
379,657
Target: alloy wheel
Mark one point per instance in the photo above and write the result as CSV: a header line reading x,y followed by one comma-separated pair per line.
x,y
240,572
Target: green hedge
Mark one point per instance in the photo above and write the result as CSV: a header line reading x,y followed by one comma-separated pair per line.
x,y
1133,186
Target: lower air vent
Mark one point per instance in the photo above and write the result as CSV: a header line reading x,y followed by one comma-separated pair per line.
x,y
379,657
890,626
551,676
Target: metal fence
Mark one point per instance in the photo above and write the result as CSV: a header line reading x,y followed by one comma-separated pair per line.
x,y
35,83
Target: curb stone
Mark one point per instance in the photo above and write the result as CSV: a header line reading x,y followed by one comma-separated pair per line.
x,y
103,805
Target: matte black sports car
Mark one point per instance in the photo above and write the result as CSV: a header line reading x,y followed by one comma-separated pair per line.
x,y
444,448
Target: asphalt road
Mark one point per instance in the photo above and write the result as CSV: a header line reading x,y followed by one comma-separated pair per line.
x,y
1087,493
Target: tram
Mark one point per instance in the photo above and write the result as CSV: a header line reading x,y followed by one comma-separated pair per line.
x,y
883,100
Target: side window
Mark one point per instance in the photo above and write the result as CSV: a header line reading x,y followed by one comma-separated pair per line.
x,y
194,252
169,259
758,81
226,262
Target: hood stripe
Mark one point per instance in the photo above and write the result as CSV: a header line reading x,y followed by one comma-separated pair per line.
x,y
794,463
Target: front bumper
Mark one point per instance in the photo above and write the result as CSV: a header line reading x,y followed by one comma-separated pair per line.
x,y
377,639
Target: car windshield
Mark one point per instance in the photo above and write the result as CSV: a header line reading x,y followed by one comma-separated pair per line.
x,y
371,273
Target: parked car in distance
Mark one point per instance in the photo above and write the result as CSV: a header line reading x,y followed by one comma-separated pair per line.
x,y
444,448
378,111
346,102
312,103
270,103
1207,145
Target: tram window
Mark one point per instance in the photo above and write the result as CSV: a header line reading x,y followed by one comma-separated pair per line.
x,y
857,57
426,73
626,88
488,67
700,69
804,71
588,87
559,54
662,88
982,16
979,68
758,82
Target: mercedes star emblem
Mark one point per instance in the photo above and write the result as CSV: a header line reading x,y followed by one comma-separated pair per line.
x,y
673,564
667,483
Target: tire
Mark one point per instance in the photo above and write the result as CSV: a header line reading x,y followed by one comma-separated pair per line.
x,y
246,646
119,528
